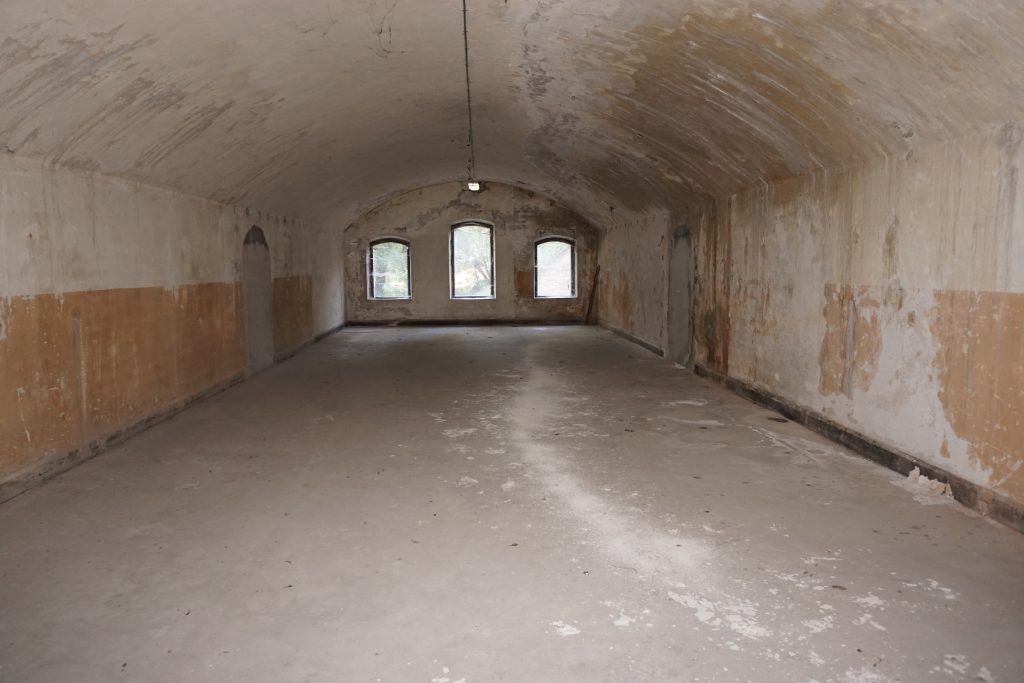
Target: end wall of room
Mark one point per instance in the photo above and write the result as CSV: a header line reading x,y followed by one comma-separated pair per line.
x,y
424,219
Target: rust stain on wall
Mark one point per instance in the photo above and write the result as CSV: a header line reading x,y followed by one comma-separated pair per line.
x,y
980,364
615,298
83,365
293,312
852,342
712,321
780,112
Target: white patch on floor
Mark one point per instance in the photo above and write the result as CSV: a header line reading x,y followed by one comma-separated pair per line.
x,y
957,663
865,674
624,620
508,485
809,450
985,675
933,586
697,423
738,615
926,491
466,481
689,402
870,600
565,630
814,626
459,433
869,619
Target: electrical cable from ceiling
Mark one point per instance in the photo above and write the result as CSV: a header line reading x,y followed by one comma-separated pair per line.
x,y
471,180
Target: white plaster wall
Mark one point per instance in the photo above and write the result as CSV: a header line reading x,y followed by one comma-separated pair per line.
x,y
64,230
904,236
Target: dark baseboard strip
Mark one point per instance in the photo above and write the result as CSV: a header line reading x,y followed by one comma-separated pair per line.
x,y
978,498
657,350
56,466
53,467
513,322
289,353
327,333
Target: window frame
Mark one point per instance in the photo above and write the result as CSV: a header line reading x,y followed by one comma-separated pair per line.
x,y
575,266
451,261
370,293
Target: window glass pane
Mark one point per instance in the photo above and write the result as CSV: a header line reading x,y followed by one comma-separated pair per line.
x,y
472,262
389,277
555,276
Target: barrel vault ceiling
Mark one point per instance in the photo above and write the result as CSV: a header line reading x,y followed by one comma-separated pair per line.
x,y
319,109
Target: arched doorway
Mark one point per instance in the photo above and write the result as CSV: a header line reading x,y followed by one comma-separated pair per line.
x,y
680,311
257,293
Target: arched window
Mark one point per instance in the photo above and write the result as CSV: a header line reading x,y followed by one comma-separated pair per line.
x,y
387,265
472,261
554,268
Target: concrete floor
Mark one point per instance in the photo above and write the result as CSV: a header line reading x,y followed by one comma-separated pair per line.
x,y
487,504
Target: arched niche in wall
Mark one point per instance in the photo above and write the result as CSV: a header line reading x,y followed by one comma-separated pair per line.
x,y
258,301
680,308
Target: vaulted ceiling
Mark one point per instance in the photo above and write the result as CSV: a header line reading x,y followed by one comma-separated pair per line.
x,y
318,109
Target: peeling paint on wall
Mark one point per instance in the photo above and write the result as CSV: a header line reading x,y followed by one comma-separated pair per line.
x,y
82,365
852,342
881,298
980,369
106,318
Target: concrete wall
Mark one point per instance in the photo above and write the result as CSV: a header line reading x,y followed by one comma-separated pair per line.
x,y
424,217
120,301
636,258
888,297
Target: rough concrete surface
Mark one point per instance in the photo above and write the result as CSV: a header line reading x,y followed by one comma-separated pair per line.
x,y
320,109
482,504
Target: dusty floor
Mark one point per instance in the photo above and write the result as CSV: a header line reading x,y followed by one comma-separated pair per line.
x,y
519,504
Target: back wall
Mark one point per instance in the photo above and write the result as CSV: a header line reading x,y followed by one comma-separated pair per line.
x,y
424,218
